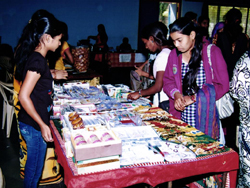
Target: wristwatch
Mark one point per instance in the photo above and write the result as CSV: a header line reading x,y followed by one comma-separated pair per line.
x,y
140,93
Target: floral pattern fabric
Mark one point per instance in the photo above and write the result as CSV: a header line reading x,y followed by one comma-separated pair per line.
x,y
240,91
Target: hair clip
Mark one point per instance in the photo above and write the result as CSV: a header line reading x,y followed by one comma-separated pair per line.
x,y
30,21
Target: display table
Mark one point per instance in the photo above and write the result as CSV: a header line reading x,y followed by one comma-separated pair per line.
x,y
150,173
89,75
126,59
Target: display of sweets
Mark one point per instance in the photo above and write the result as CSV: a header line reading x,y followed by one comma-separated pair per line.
x,y
76,120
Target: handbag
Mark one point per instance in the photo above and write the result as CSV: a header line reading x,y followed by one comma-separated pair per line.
x,y
164,104
225,105
135,81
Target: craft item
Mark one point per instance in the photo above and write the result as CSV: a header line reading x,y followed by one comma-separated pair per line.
x,y
107,137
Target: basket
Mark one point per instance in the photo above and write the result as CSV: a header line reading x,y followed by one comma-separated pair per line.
x,y
81,58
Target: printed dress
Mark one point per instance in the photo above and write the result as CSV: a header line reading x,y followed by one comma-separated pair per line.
x,y
240,91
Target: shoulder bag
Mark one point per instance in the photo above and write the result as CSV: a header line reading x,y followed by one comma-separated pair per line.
x,y
225,105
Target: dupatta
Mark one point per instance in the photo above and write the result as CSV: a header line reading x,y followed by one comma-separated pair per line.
x,y
207,119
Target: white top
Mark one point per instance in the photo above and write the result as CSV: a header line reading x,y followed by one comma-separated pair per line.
x,y
160,65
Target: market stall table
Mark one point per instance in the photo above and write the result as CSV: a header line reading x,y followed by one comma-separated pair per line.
x,y
89,75
150,173
125,59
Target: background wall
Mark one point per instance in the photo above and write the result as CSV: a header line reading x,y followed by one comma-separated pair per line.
x,y
120,18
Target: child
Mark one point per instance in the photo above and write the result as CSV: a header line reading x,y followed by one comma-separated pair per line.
x,y
39,36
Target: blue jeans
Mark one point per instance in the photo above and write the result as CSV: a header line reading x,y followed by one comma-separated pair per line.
x,y
36,150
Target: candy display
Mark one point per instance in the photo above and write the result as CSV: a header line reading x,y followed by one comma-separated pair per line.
x,y
76,120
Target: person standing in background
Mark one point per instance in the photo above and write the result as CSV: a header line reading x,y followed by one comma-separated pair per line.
x,y
232,41
191,16
203,22
233,44
101,39
62,54
125,46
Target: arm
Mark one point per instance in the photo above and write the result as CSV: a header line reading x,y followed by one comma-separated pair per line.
x,y
221,79
239,79
169,83
59,74
26,102
157,87
69,56
141,67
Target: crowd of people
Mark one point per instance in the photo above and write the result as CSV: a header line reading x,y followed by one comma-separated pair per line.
x,y
181,72
201,69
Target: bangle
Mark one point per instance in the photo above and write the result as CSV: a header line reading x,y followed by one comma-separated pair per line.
x,y
140,93
193,98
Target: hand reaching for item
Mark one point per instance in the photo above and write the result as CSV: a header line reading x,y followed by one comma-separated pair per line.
x,y
133,96
61,74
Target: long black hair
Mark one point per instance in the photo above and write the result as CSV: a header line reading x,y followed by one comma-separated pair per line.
x,y
185,26
158,31
42,22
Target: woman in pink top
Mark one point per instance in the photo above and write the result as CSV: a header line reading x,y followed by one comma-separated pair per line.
x,y
188,70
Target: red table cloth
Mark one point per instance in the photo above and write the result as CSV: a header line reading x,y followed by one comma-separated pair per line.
x,y
150,173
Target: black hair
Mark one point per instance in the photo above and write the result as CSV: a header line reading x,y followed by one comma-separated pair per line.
x,y
158,31
202,18
102,33
232,24
42,22
125,40
185,26
191,15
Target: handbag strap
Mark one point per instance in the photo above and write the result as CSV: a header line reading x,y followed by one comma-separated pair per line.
x,y
209,58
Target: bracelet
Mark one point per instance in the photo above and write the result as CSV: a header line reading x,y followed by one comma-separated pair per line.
x,y
193,98
140,93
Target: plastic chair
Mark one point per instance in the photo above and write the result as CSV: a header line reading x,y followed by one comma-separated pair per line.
x,y
8,107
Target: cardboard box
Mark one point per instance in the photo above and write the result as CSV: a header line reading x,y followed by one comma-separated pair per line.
x,y
98,149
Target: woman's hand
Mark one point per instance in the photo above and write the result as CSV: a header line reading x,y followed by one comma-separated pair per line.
x,y
46,133
139,70
134,96
61,74
179,101
189,99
